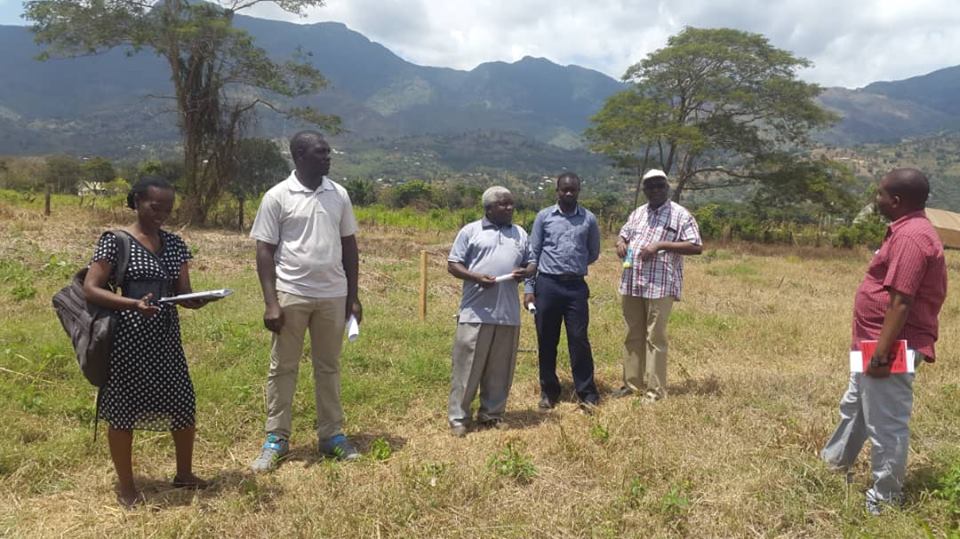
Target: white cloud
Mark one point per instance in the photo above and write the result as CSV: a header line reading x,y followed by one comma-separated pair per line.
x,y
851,43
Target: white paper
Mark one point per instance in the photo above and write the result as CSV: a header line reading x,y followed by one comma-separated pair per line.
x,y
209,294
353,328
502,278
856,361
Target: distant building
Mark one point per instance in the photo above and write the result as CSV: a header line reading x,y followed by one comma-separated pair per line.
x,y
91,189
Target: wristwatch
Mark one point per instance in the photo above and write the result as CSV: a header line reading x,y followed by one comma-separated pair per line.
x,y
876,364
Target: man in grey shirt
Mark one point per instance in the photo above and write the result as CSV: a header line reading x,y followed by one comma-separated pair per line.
x,y
565,240
488,325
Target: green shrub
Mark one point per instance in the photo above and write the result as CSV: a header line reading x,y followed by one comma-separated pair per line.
x,y
868,232
948,488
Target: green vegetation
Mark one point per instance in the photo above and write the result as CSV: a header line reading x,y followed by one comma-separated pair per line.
x,y
511,462
219,76
715,107
757,367
259,164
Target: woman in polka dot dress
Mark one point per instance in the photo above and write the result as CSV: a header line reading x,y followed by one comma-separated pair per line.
x,y
148,387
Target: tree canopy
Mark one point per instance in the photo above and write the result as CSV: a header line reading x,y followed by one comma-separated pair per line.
x,y
715,107
220,77
259,165
62,173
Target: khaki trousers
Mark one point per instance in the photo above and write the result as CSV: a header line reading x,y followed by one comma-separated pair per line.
x,y
645,361
484,357
325,319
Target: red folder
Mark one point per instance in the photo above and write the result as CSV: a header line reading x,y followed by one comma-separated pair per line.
x,y
898,353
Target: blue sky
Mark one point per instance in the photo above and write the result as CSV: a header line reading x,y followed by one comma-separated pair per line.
x,y
10,12
851,42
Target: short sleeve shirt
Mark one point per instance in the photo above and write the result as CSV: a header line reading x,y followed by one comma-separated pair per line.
x,y
306,226
486,248
662,275
911,262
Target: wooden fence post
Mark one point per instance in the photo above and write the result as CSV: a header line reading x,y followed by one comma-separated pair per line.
x,y
423,285
46,201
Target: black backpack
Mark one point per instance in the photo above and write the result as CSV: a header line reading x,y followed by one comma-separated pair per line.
x,y
91,327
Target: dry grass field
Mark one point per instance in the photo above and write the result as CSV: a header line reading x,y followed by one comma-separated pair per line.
x,y
757,367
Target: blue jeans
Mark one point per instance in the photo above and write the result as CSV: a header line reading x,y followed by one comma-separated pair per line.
x,y
564,301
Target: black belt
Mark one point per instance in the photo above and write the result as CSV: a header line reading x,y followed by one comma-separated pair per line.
x,y
563,276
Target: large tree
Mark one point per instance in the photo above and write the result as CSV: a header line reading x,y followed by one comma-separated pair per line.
x,y
62,173
259,165
219,76
715,107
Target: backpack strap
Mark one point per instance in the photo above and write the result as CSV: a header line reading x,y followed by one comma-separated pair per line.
x,y
123,255
96,413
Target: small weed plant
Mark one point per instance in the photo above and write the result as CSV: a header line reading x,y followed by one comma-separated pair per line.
x,y
380,449
599,433
513,463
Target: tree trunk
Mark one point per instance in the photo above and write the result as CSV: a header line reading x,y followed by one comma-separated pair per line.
x,y
678,190
46,201
240,214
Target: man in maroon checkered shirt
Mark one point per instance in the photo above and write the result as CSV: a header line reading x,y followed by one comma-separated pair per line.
x,y
652,244
899,299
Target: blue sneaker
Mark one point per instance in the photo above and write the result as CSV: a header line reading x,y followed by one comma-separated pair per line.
x,y
338,447
273,451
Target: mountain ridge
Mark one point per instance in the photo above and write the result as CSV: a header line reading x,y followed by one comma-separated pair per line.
x,y
96,104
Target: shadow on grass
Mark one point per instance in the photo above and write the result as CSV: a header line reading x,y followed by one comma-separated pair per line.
x,y
162,494
709,386
525,419
310,456
923,481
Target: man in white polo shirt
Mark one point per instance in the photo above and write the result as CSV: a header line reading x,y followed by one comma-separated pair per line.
x,y
307,262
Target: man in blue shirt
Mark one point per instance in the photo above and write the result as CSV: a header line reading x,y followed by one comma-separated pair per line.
x,y
491,256
565,239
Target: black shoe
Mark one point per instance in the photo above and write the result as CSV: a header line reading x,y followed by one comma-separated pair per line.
x,y
493,423
546,403
622,392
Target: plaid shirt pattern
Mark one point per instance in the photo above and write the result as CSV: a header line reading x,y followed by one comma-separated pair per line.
x,y
662,275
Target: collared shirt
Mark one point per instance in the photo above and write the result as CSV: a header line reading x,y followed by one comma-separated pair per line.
x,y
488,249
306,226
911,262
563,244
662,275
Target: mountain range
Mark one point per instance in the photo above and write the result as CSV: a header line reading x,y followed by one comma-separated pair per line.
x,y
100,105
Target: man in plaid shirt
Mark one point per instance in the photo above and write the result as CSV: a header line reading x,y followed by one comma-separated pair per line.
x,y
652,244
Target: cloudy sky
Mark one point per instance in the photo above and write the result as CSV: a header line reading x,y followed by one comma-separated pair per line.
x,y
851,42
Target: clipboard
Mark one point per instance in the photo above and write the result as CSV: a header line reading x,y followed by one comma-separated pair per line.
x,y
209,294
902,360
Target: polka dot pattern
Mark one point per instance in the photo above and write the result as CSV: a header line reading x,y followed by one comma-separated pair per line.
x,y
148,386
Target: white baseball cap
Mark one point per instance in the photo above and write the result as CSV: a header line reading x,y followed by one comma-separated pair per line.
x,y
654,173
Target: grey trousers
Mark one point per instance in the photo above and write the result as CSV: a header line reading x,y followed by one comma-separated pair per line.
x,y
484,357
878,409
325,320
